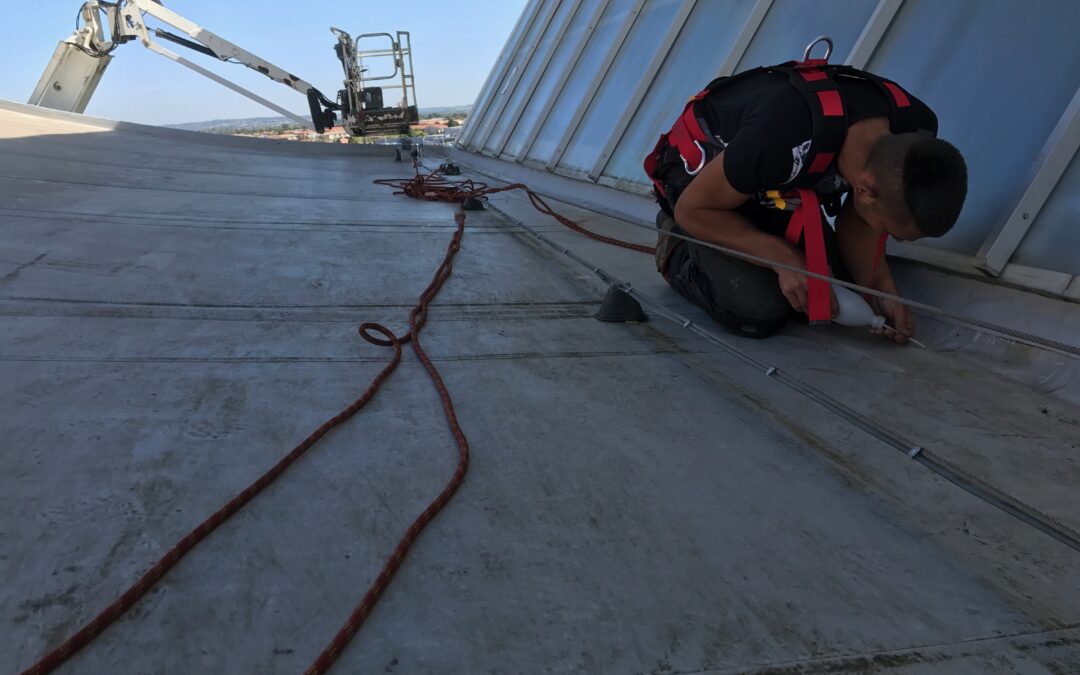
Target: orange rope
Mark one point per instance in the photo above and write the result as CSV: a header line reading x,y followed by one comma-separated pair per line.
x,y
432,187
417,318
435,187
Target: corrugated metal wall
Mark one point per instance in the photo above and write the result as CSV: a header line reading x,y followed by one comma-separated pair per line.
x,y
584,87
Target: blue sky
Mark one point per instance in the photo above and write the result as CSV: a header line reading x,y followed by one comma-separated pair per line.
x,y
454,46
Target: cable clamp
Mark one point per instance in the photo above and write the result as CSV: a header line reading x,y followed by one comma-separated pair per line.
x,y
915,451
771,370
686,324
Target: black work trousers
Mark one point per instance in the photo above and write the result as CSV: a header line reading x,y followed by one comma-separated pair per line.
x,y
742,297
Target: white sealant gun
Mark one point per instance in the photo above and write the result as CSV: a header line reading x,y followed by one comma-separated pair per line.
x,y
854,311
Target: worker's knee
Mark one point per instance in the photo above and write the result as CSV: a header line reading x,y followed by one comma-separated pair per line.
x,y
744,298
752,326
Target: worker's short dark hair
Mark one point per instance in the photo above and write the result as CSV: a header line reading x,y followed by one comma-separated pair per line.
x,y
922,175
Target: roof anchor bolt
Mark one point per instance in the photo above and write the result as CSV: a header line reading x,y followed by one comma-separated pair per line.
x,y
915,451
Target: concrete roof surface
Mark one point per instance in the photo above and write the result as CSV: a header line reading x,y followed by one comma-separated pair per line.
x,y
179,310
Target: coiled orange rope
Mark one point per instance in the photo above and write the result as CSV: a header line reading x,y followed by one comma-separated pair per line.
x,y
435,187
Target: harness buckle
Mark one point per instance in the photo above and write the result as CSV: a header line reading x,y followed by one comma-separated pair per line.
x,y
700,166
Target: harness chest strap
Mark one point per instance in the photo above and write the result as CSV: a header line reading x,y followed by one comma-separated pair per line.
x,y
806,223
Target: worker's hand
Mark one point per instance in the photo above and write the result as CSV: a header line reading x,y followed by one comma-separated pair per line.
x,y
793,285
897,315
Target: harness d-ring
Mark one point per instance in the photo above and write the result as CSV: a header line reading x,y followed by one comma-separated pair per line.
x,y
821,38
700,166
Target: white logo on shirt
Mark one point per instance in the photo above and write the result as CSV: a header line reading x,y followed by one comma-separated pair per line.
x,y
798,156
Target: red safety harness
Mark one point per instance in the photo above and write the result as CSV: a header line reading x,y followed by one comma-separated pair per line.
x,y
683,152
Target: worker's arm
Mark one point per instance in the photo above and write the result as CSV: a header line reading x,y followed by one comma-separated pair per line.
x,y
858,247
706,210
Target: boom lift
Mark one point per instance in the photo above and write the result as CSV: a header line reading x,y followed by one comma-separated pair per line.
x,y
76,68
362,107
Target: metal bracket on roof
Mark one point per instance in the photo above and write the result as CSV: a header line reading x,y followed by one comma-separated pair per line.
x,y
620,307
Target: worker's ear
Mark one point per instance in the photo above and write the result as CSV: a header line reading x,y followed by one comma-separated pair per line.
x,y
865,187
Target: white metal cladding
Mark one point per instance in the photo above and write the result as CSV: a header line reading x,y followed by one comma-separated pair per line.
x,y
585,87
513,102
519,66
538,101
574,86
480,107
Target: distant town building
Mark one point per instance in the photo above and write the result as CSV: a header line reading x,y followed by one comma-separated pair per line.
x,y
437,131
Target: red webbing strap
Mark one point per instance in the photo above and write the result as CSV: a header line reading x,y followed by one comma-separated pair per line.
x,y
899,96
821,162
683,135
812,79
806,222
879,256
693,126
689,128
652,163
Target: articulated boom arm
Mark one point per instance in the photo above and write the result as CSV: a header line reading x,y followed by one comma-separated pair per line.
x,y
79,62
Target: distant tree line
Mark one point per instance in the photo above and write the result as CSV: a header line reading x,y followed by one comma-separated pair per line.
x,y
457,115
264,129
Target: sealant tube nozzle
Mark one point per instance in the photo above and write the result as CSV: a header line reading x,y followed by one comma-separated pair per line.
x,y
854,311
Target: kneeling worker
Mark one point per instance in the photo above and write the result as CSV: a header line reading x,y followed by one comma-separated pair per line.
x,y
752,161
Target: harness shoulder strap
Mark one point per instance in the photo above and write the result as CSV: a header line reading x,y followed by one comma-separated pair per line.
x,y
828,113
901,112
813,79
727,80
690,137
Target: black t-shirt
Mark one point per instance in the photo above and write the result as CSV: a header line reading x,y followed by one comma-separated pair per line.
x,y
765,126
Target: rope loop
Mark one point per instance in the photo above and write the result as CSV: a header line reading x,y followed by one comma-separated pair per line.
x,y
390,341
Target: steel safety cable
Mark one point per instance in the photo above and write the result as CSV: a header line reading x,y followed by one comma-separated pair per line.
x,y
924,308
955,318
950,471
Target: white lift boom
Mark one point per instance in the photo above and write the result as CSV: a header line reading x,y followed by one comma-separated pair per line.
x,y
76,67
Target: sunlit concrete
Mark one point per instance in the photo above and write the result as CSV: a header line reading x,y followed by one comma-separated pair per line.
x,y
179,310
